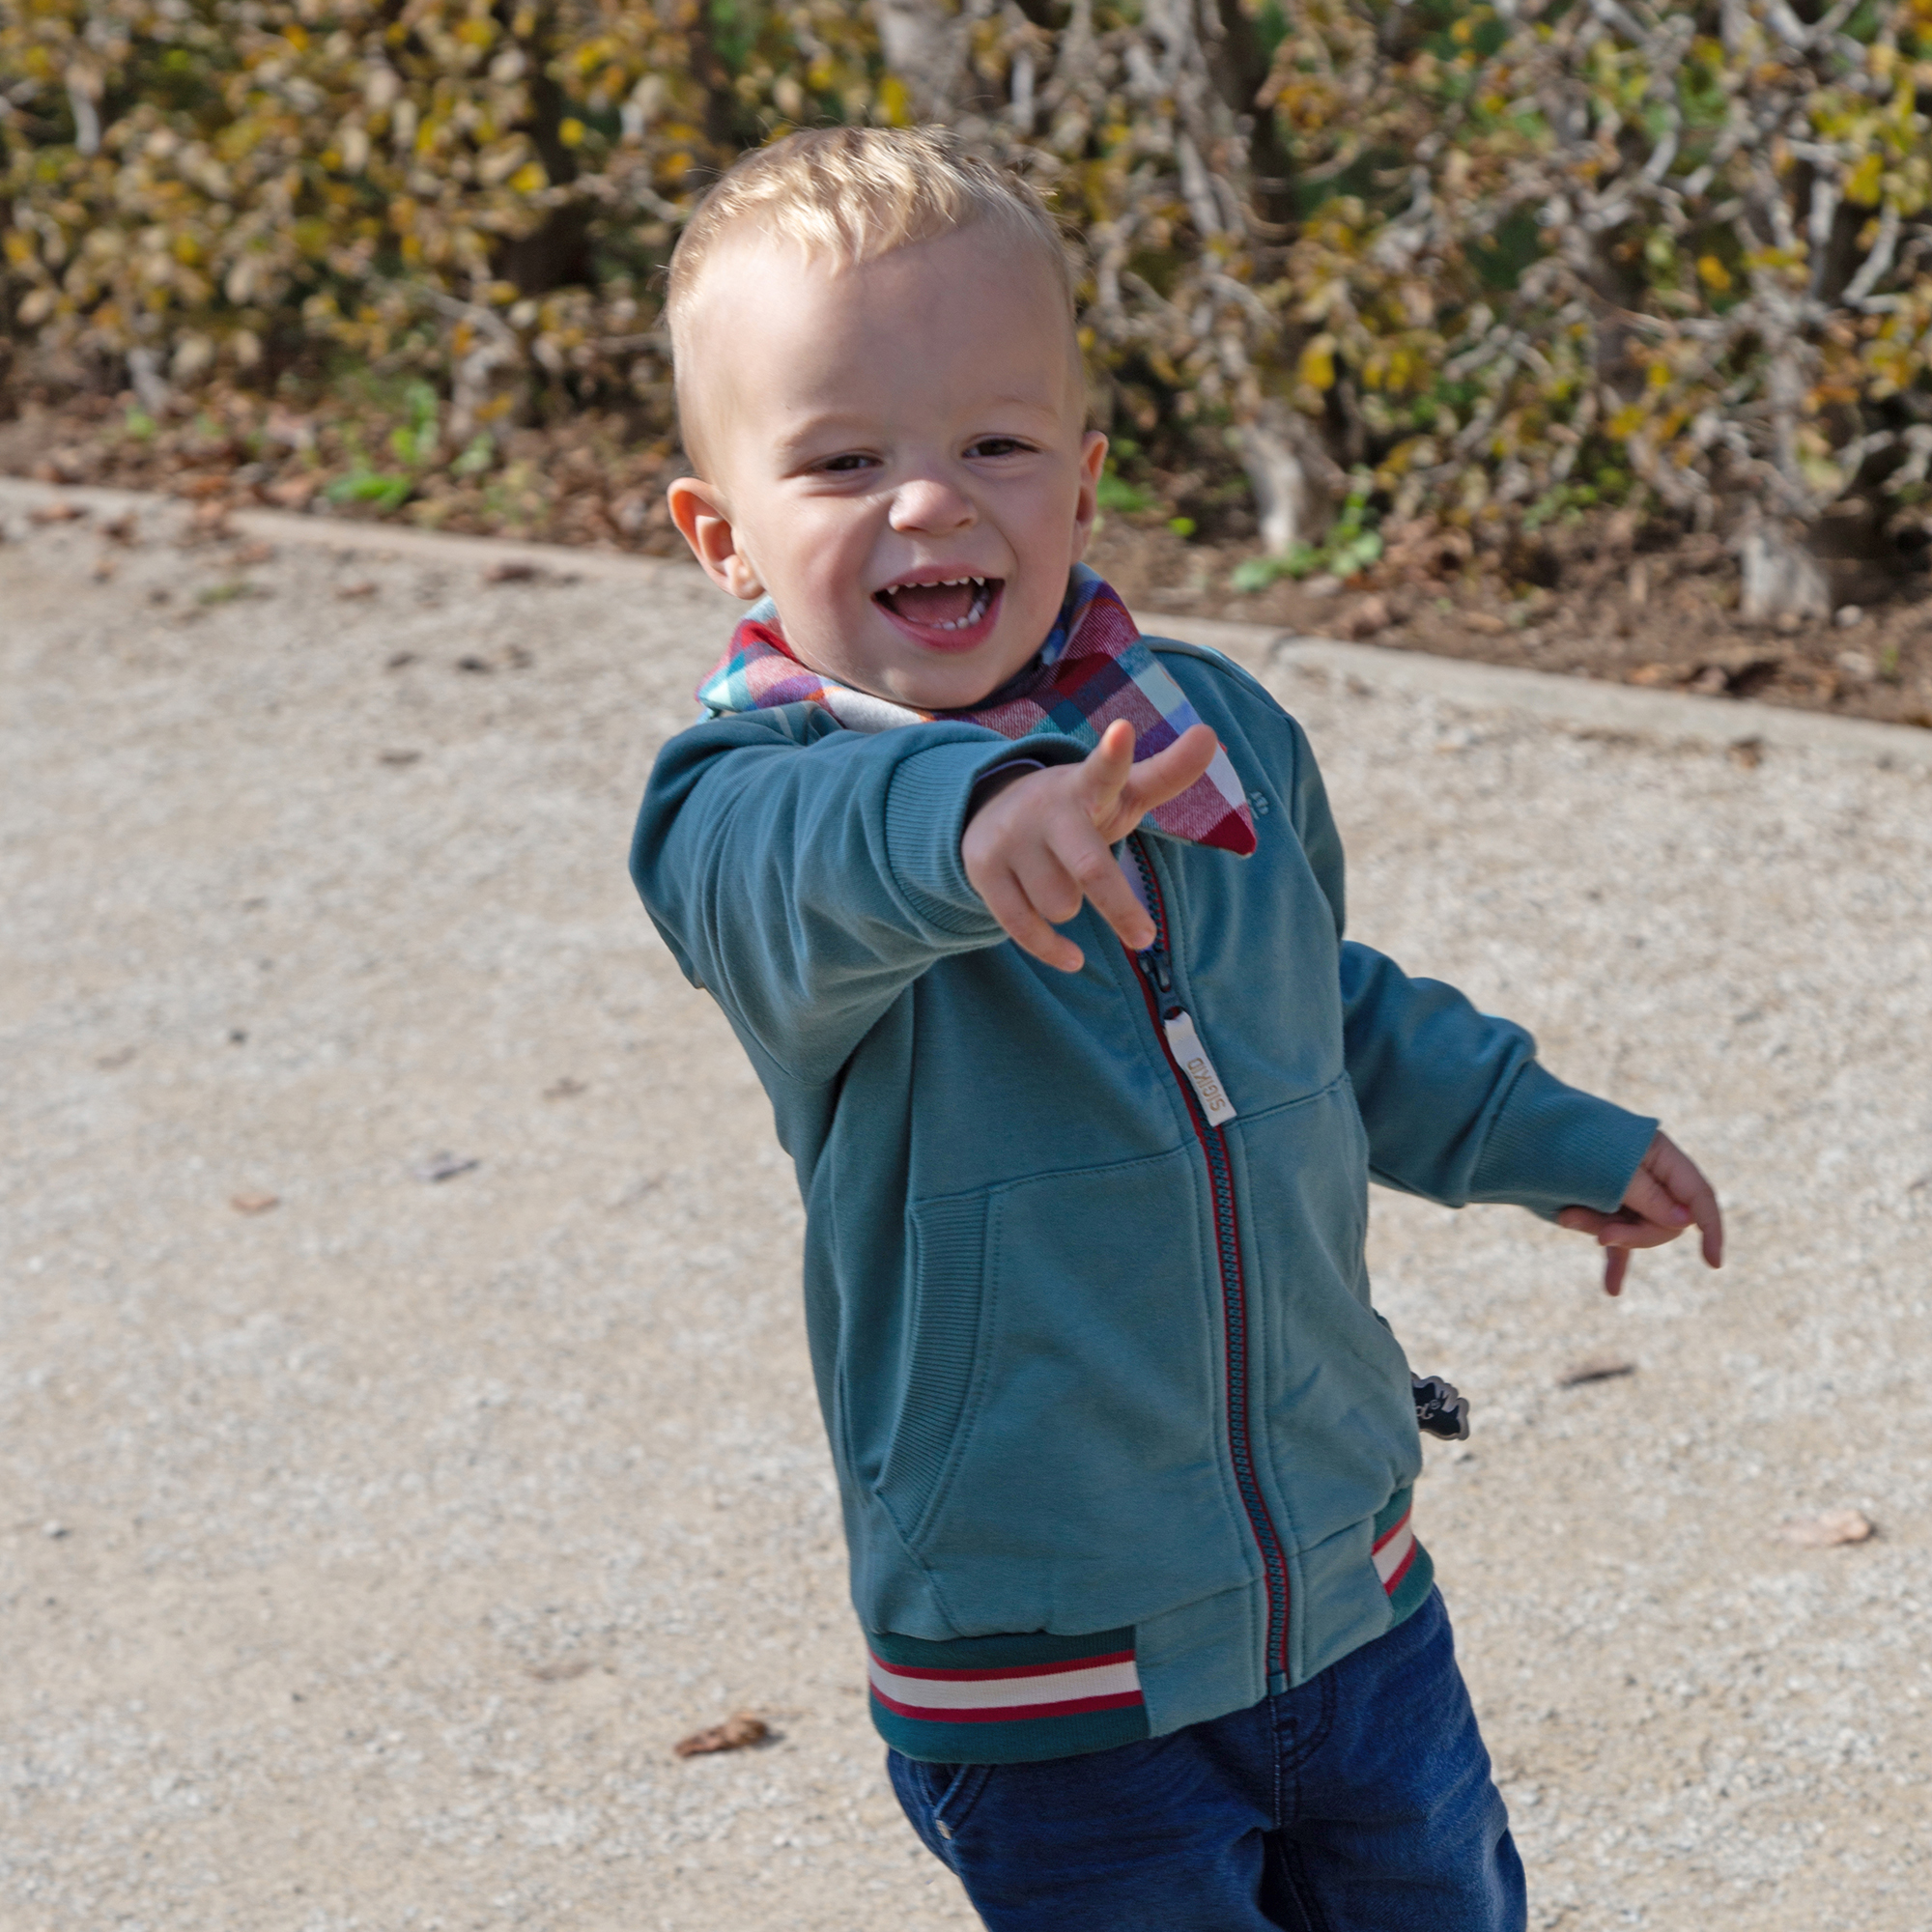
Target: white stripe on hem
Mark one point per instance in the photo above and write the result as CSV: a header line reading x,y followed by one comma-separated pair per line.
x,y
979,1694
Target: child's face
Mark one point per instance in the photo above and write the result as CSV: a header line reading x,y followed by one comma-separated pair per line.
x,y
873,435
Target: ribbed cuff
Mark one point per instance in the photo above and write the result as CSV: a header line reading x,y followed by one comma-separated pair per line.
x,y
926,818
1553,1148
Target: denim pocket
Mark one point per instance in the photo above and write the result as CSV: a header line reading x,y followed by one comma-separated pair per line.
x,y
937,1799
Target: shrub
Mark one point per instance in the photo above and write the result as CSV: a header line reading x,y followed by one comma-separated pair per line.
x,y
1510,260
485,192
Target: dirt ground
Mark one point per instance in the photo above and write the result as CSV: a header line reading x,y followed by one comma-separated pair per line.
x,y
1601,600
406,1432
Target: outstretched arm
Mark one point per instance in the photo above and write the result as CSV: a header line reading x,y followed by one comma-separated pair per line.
x,y
806,874
1459,1109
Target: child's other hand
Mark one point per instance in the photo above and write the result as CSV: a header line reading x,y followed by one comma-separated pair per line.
x,y
1666,1195
1041,845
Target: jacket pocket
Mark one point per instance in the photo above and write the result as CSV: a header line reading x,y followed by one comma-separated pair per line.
x,y
949,1305
1332,1392
1085,1483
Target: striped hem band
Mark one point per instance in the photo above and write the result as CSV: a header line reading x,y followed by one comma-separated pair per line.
x,y
1401,1561
1005,1699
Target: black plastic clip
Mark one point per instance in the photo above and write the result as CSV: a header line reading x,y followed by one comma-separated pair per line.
x,y
1440,1408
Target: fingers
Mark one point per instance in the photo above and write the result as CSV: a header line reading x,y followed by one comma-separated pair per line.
x,y
1648,1197
1072,865
1666,1195
1105,771
1684,1183
1097,874
1039,848
1008,901
1167,774
1582,1220
1627,1229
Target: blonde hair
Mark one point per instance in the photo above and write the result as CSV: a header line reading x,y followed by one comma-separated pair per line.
x,y
848,195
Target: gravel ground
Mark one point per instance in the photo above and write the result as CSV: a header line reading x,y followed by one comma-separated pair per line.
x,y
362,1555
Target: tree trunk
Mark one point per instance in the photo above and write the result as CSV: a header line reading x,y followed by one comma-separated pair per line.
x,y
1295,480
1239,65
1782,578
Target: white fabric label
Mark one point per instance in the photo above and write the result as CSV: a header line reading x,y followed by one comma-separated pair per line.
x,y
1185,1043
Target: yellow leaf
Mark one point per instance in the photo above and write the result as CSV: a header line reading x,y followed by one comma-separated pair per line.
x,y
1713,273
895,108
1316,367
1626,422
529,178
569,131
1865,182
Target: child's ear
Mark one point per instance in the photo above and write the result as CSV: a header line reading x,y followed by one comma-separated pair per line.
x,y
1092,457
704,522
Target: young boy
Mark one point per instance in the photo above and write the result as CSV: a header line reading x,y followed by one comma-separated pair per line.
x,y
1033,930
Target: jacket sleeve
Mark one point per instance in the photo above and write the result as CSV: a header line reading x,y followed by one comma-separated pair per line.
x,y
1457,1106
805,874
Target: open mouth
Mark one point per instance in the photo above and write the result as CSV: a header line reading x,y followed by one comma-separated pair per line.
x,y
960,603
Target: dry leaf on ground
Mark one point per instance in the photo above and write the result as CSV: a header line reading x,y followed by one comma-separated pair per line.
x,y
1596,1369
739,1729
1832,1527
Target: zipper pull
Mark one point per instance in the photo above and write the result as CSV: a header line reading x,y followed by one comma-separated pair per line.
x,y
1191,1056
1154,962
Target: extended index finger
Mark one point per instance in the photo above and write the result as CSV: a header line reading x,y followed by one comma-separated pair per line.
x,y
1106,771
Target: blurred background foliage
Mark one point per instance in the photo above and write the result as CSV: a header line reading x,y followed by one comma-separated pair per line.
x,y
1350,264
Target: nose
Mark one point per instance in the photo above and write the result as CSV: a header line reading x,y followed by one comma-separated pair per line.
x,y
931,506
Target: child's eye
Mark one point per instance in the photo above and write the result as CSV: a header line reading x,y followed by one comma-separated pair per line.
x,y
1000,446
843,465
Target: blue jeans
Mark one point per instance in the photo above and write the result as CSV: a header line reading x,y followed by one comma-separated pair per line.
x,y
1359,1801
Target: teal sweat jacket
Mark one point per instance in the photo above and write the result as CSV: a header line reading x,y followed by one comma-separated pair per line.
x,y
1122,1443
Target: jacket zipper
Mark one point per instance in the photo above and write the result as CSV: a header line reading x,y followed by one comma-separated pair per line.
x,y
1207,1107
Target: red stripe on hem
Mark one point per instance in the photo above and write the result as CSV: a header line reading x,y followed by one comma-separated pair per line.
x,y
1401,1571
1015,1670
1395,1528
1008,1714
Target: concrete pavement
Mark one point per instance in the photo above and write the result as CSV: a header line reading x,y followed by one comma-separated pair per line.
x,y
362,1554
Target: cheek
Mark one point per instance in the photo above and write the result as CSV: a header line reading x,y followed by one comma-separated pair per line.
x,y
828,546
